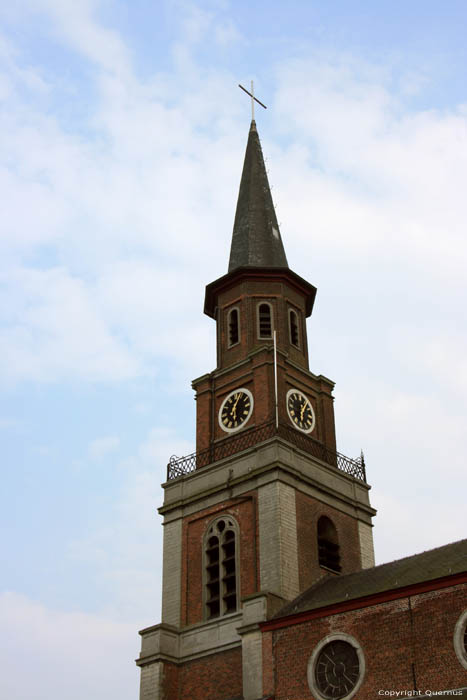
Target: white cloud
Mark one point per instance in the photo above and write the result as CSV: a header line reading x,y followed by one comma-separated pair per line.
x,y
54,330
125,553
101,447
391,176
14,73
128,214
10,424
134,215
438,353
69,654
227,34
110,230
411,442
397,533
77,26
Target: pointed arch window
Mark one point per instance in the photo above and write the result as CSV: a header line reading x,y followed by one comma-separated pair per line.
x,y
221,569
264,320
294,328
328,544
233,327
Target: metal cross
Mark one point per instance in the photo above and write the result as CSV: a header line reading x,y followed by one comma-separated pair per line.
x,y
253,100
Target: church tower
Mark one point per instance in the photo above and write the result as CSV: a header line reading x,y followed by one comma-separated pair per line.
x,y
266,506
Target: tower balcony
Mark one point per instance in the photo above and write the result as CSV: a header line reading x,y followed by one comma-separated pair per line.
x,y
180,466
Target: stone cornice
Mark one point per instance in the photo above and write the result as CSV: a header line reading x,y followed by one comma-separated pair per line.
x,y
273,460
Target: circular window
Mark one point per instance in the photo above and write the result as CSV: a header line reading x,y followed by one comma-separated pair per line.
x,y
460,639
336,668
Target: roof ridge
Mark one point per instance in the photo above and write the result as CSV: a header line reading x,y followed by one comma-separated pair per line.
x,y
423,567
412,556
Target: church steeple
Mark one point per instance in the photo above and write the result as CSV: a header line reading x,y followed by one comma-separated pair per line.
x,y
256,240
265,506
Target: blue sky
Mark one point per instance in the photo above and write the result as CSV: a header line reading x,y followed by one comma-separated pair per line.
x,y
123,134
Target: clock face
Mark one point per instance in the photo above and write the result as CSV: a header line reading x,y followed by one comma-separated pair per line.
x,y
236,410
337,669
300,411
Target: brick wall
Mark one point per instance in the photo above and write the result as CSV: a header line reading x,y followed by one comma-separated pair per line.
x,y
244,511
249,363
308,512
171,682
257,375
246,295
393,635
268,663
212,677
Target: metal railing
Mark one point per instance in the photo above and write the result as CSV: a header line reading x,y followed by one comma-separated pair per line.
x,y
179,466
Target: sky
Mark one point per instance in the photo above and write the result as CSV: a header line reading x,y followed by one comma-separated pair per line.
x,y
122,140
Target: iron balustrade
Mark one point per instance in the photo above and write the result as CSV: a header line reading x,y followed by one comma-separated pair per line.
x,y
179,466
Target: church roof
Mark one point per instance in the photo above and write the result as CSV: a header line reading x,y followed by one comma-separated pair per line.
x,y
419,568
256,240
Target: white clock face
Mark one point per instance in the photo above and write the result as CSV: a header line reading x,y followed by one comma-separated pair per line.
x,y
236,410
300,411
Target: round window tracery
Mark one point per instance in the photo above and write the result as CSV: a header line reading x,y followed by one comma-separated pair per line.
x,y
336,668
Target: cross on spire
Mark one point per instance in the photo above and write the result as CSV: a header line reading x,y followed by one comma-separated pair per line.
x,y
253,100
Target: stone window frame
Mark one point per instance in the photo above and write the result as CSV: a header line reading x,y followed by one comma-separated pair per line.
x,y
229,313
338,636
460,631
235,527
271,311
291,311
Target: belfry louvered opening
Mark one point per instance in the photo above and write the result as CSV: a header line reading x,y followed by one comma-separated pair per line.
x,y
328,544
233,327
264,321
221,568
293,328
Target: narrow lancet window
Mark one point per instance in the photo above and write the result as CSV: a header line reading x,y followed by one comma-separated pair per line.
x,y
233,327
293,326
221,568
328,544
264,321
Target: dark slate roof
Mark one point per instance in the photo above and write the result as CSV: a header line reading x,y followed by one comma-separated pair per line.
x,y
427,566
256,240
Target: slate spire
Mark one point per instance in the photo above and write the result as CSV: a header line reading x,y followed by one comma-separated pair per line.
x,y
256,240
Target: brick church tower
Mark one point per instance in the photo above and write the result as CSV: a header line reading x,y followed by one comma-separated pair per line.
x,y
266,506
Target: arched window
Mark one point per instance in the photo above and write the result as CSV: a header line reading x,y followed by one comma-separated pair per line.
x,y
293,328
328,544
233,327
221,589
264,321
